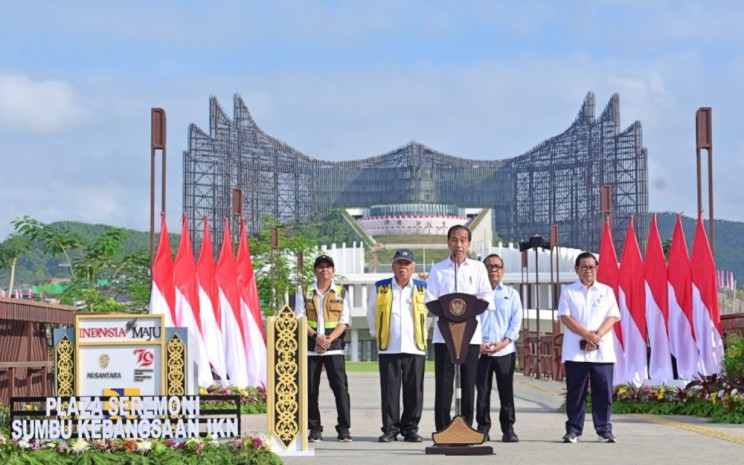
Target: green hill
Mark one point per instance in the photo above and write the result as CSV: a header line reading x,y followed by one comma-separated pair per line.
x,y
729,252
35,267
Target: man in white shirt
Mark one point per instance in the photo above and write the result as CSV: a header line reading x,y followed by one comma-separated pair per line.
x,y
396,315
588,310
456,274
326,305
498,352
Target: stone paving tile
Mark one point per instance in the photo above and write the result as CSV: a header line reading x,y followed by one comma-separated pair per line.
x,y
641,439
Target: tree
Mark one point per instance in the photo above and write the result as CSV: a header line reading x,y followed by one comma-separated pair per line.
x,y
95,272
134,276
54,240
96,267
666,246
12,248
276,271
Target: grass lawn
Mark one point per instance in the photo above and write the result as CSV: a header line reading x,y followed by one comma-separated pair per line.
x,y
371,367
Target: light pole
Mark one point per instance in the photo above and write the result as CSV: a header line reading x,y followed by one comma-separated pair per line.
x,y
274,304
554,284
237,211
524,292
704,140
157,142
536,242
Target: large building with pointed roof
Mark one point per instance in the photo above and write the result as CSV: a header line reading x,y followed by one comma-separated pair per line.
x,y
557,182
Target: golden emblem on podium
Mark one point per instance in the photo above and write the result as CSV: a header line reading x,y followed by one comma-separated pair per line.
x,y
457,307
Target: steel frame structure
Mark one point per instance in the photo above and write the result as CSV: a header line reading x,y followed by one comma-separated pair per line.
x,y
557,182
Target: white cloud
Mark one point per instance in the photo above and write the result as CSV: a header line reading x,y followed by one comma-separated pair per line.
x,y
58,199
37,106
343,81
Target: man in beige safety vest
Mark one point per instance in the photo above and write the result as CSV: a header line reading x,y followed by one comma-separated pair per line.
x,y
326,305
397,319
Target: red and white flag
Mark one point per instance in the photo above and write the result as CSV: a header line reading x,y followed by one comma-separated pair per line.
x,y
251,313
706,318
233,326
632,291
188,306
163,294
682,343
657,309
209,303
607,274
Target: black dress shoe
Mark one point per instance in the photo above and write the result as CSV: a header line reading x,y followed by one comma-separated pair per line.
x,y
388,437
510,437
412,437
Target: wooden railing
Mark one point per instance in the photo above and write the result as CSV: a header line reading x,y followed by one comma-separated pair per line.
x,y
548,364
732,323
541,357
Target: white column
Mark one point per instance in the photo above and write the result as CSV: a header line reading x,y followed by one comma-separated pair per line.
x,y
351,294
354,345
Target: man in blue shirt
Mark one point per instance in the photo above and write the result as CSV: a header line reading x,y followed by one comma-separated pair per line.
x,y
498,352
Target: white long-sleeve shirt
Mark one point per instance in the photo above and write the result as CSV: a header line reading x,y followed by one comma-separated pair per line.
x,y
469,277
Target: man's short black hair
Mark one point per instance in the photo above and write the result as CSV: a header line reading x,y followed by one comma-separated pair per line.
x,y
584,255
455,228
494,255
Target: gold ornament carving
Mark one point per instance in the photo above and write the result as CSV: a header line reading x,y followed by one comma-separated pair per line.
x,y
286,391
175,367
65,355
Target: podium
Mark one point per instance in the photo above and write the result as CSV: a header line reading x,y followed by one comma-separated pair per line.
x,y
457,323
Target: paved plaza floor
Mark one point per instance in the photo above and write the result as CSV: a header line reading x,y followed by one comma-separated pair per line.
x,y
642,439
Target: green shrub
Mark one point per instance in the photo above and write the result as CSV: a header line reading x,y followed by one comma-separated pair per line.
x,y
733,357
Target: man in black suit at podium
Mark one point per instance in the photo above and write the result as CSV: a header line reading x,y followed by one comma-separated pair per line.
x,y
457,273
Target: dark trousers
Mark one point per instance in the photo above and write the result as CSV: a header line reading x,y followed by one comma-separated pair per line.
x,y
444,377
406,370
335,369
503,368
578,376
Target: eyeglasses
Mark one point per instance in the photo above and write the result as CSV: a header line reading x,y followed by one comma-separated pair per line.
x,y
588,268
494,267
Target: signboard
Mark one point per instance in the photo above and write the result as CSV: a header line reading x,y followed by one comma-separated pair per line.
x,y
120,354
122,376
124,417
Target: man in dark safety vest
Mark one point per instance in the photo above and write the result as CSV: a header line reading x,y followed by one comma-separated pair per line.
x,y
397,319
326,305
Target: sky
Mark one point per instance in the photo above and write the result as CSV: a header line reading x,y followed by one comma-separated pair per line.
x,y
345,80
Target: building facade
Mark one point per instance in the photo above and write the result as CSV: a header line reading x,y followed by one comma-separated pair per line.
x,y
557,182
